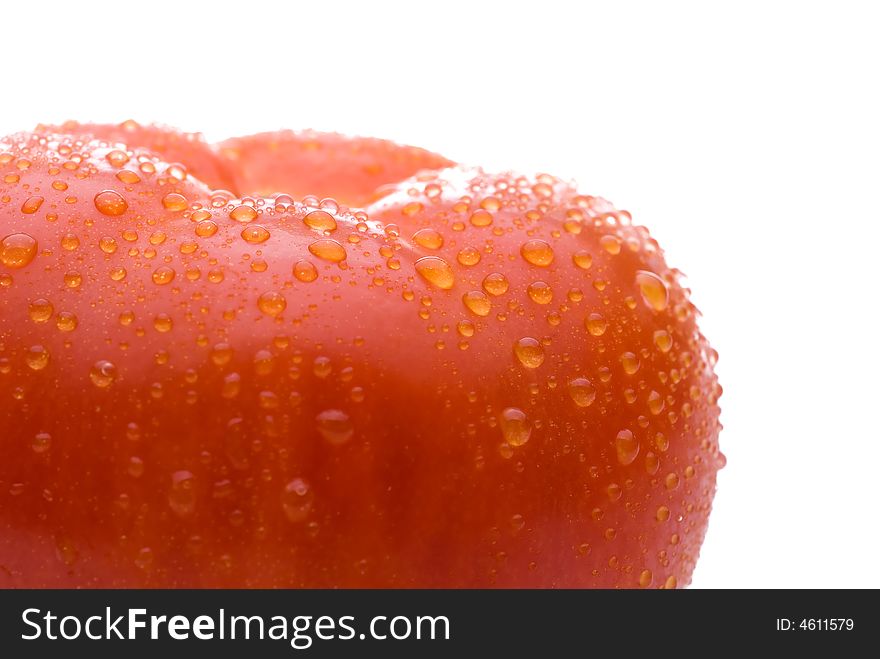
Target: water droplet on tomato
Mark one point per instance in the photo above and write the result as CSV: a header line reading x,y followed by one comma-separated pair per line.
x,y
627,447
529,351
436,271
515,426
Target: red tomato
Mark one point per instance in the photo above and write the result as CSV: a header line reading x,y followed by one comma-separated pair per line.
x,y
480,380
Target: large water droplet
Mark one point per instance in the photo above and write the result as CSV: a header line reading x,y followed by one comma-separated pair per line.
x,y
103,373
627,447
297,500
243,213
537,252
428,238
582,392
17,250
653,289
335,426
529,351
110,203
272,303
515,426
477,302
596,324
305,271
495,284
320,221
436,271
182,495
329,250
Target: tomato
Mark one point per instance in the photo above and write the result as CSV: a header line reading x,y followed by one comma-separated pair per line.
x,y
478,380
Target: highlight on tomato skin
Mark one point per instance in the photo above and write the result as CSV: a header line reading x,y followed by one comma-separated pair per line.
x,y
476,380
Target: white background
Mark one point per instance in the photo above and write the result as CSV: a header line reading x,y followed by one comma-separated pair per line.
x,y
747,137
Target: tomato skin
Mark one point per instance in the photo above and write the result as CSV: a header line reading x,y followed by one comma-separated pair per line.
x,y
191,432
350,170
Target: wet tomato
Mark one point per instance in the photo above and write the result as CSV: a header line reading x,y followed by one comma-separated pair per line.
x,y
216,370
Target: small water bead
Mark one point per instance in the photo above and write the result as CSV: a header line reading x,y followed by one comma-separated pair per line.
x,y
630,363
73,280
110,203
495,284
627,447
465,328
182,494
614,492
537,252
17,250
103,373
118,274
31,205
412,208
671,481
40,310
41,442
128,177
135,467
653,289
428,238
469,256
335,426
305,271
515,426
163,323
582,392
610,244
671,583
264,362
662,514
157,238
272,303
200,215
663,340
69,242
540,292
117,158
481,218
37,358
596,324
582,259
322,367
108,245
66,321
129,235
243,213
163,275
328,250
477,302
206,228
655,404
175,202
529,352
491,204
255,234
646,578
320,221
436,271
126,318
297,500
